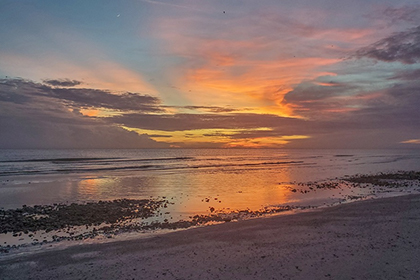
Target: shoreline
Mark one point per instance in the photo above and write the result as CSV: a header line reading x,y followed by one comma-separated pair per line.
x,y
45,225
364,239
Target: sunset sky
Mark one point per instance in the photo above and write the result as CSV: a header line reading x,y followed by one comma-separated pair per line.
x,y
209,74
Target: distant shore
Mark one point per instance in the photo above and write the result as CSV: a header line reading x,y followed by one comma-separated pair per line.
x,y
373,239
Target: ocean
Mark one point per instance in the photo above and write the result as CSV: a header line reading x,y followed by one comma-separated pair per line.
x,y
193,182
227,178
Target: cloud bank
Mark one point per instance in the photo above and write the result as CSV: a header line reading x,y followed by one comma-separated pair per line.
x,y
34,115
39,115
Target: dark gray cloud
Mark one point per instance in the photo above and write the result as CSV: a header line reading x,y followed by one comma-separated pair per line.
x,y
404,111
251,134
62,83
246,124
310,92
36,115
316,101
403,47
361,119
31,118
180,122
352,116
34,133
104,99
8,96
19,90
10,91
159,136
212,109
375,138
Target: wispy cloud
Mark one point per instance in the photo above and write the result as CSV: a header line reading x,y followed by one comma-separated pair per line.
x,y
401,47
411,141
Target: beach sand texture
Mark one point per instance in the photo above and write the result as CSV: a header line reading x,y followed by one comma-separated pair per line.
x,y
375,239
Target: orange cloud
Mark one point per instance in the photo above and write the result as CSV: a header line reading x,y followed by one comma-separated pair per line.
x,y
232,67
222,138
255,83
90,113
411,141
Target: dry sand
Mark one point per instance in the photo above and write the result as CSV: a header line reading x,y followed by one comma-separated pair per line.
x,y
376,239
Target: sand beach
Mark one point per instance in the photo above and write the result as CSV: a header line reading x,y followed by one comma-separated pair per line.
x,y
371,239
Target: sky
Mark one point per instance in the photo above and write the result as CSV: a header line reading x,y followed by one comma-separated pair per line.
x,y
210,74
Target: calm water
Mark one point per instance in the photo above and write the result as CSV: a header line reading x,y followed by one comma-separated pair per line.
x,y
194,180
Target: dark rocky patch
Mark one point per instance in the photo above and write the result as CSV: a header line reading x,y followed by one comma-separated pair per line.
x,y
387,179
60,216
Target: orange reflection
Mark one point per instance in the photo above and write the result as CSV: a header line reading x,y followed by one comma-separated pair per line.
x,y
89,187
96,187
252,189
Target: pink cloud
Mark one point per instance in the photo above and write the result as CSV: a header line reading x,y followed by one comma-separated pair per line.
x,y
243,62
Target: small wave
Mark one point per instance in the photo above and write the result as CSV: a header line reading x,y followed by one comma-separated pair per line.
x,y
392,160
26,172
58,160
168,167
238,165
89,168
150,159
93,160
77,170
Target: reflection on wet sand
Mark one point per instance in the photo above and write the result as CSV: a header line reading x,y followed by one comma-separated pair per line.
x,y
108,218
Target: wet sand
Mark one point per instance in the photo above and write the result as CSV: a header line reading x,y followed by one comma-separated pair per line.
x,y
375,239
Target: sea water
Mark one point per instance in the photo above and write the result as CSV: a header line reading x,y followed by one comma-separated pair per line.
x,y
195,180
